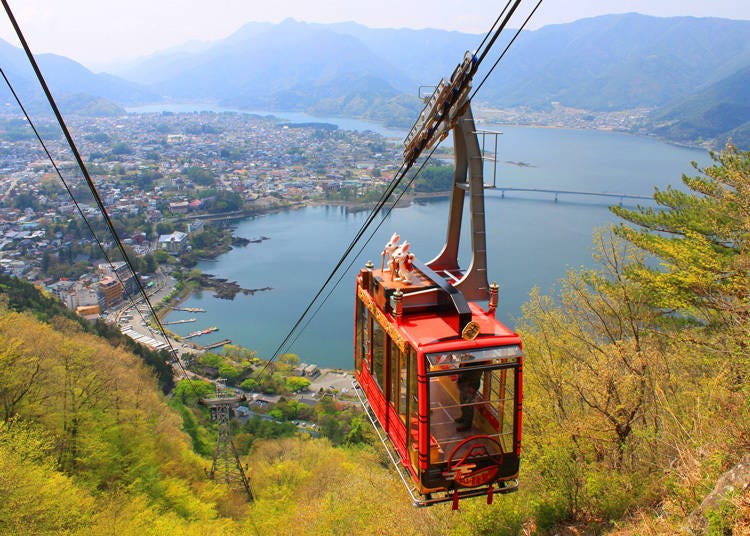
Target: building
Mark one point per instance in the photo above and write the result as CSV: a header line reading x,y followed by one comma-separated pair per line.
x,y
174,243
89,312
179,207
109,293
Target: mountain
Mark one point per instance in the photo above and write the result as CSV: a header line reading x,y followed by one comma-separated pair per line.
x,y
717,113
289,64
618,62
68,80
606,63
611,62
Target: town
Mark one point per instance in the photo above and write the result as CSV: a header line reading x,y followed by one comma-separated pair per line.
x,y
169,181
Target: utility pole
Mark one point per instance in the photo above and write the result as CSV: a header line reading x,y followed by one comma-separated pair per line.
x,y
226,466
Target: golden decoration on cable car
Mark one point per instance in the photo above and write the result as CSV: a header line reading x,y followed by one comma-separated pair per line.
x,y
471,331
381,319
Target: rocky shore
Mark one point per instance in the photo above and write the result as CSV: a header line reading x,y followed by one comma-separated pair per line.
x,y
225,289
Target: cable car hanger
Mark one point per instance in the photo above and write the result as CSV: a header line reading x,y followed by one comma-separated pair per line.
x,y
440,377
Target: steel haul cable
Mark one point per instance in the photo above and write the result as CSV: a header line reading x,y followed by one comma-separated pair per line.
x,y
394,183
68,189
89,181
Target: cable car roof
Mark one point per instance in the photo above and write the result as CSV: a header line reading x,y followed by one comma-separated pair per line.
x,y
429,329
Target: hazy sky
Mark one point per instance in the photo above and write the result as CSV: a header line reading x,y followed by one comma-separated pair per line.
x,y
95,32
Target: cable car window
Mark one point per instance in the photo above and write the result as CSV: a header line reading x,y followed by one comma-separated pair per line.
x,y
403,383
472,394
500,355
412,407
394,356
361,323
501,391
378,351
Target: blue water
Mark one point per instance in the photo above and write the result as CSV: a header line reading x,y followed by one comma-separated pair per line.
x,y
532,240
344,123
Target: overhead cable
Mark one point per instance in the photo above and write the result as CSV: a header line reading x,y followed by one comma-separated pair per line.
x,y
67,188
393,185
87,177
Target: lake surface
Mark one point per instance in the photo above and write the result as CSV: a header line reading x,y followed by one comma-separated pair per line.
x,y
531,238
344,123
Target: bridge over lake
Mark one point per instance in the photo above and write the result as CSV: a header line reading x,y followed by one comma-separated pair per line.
x,y
557,192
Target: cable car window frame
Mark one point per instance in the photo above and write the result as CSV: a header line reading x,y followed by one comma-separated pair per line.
x,y
378,369
508,359
362,317
509,354
404,377
393,360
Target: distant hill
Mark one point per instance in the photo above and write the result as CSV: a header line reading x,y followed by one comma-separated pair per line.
x,y
719,112
618,62
69,81
291,66
607,63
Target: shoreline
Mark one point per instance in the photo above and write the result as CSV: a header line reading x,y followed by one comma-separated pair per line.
x,y
177,298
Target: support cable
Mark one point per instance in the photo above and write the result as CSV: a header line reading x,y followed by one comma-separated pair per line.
x,y
68,189
394,183
391,187
89,181
361,249
489,32
495,36
518,32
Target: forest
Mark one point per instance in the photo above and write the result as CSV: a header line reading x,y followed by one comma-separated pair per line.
x,y
636,414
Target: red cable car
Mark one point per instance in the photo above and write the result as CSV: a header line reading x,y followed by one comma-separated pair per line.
x,y
439,375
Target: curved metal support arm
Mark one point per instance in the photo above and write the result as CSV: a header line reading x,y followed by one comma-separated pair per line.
x,y
468,176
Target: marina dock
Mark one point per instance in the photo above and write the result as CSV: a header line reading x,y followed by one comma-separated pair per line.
x,y
173,322
201,332
217,344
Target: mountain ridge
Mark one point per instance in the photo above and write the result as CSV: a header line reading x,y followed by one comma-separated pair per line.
x,y
600,64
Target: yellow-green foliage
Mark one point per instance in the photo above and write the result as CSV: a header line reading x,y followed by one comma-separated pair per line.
x,y
93,424
701,238
636,396
93,448
308,484
636,375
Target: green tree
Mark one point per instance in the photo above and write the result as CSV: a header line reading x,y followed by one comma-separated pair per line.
x,y
20,375
164,227
121,148
199,175
435,178
701,238
229,372
296,383
161,256
249,384
190,391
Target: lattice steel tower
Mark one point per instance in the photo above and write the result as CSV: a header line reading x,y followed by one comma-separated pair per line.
x,y
226,466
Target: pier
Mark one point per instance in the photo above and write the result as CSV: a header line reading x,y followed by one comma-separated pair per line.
x,y
217,344
189,309
173,322
201,332
558,192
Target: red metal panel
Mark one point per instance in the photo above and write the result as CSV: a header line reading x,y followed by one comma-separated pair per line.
x,y
395,429
519,404
423,410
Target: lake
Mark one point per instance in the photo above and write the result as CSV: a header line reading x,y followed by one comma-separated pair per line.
x,y
531,239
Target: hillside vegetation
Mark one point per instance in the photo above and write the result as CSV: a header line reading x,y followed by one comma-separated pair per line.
x,y
636,404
